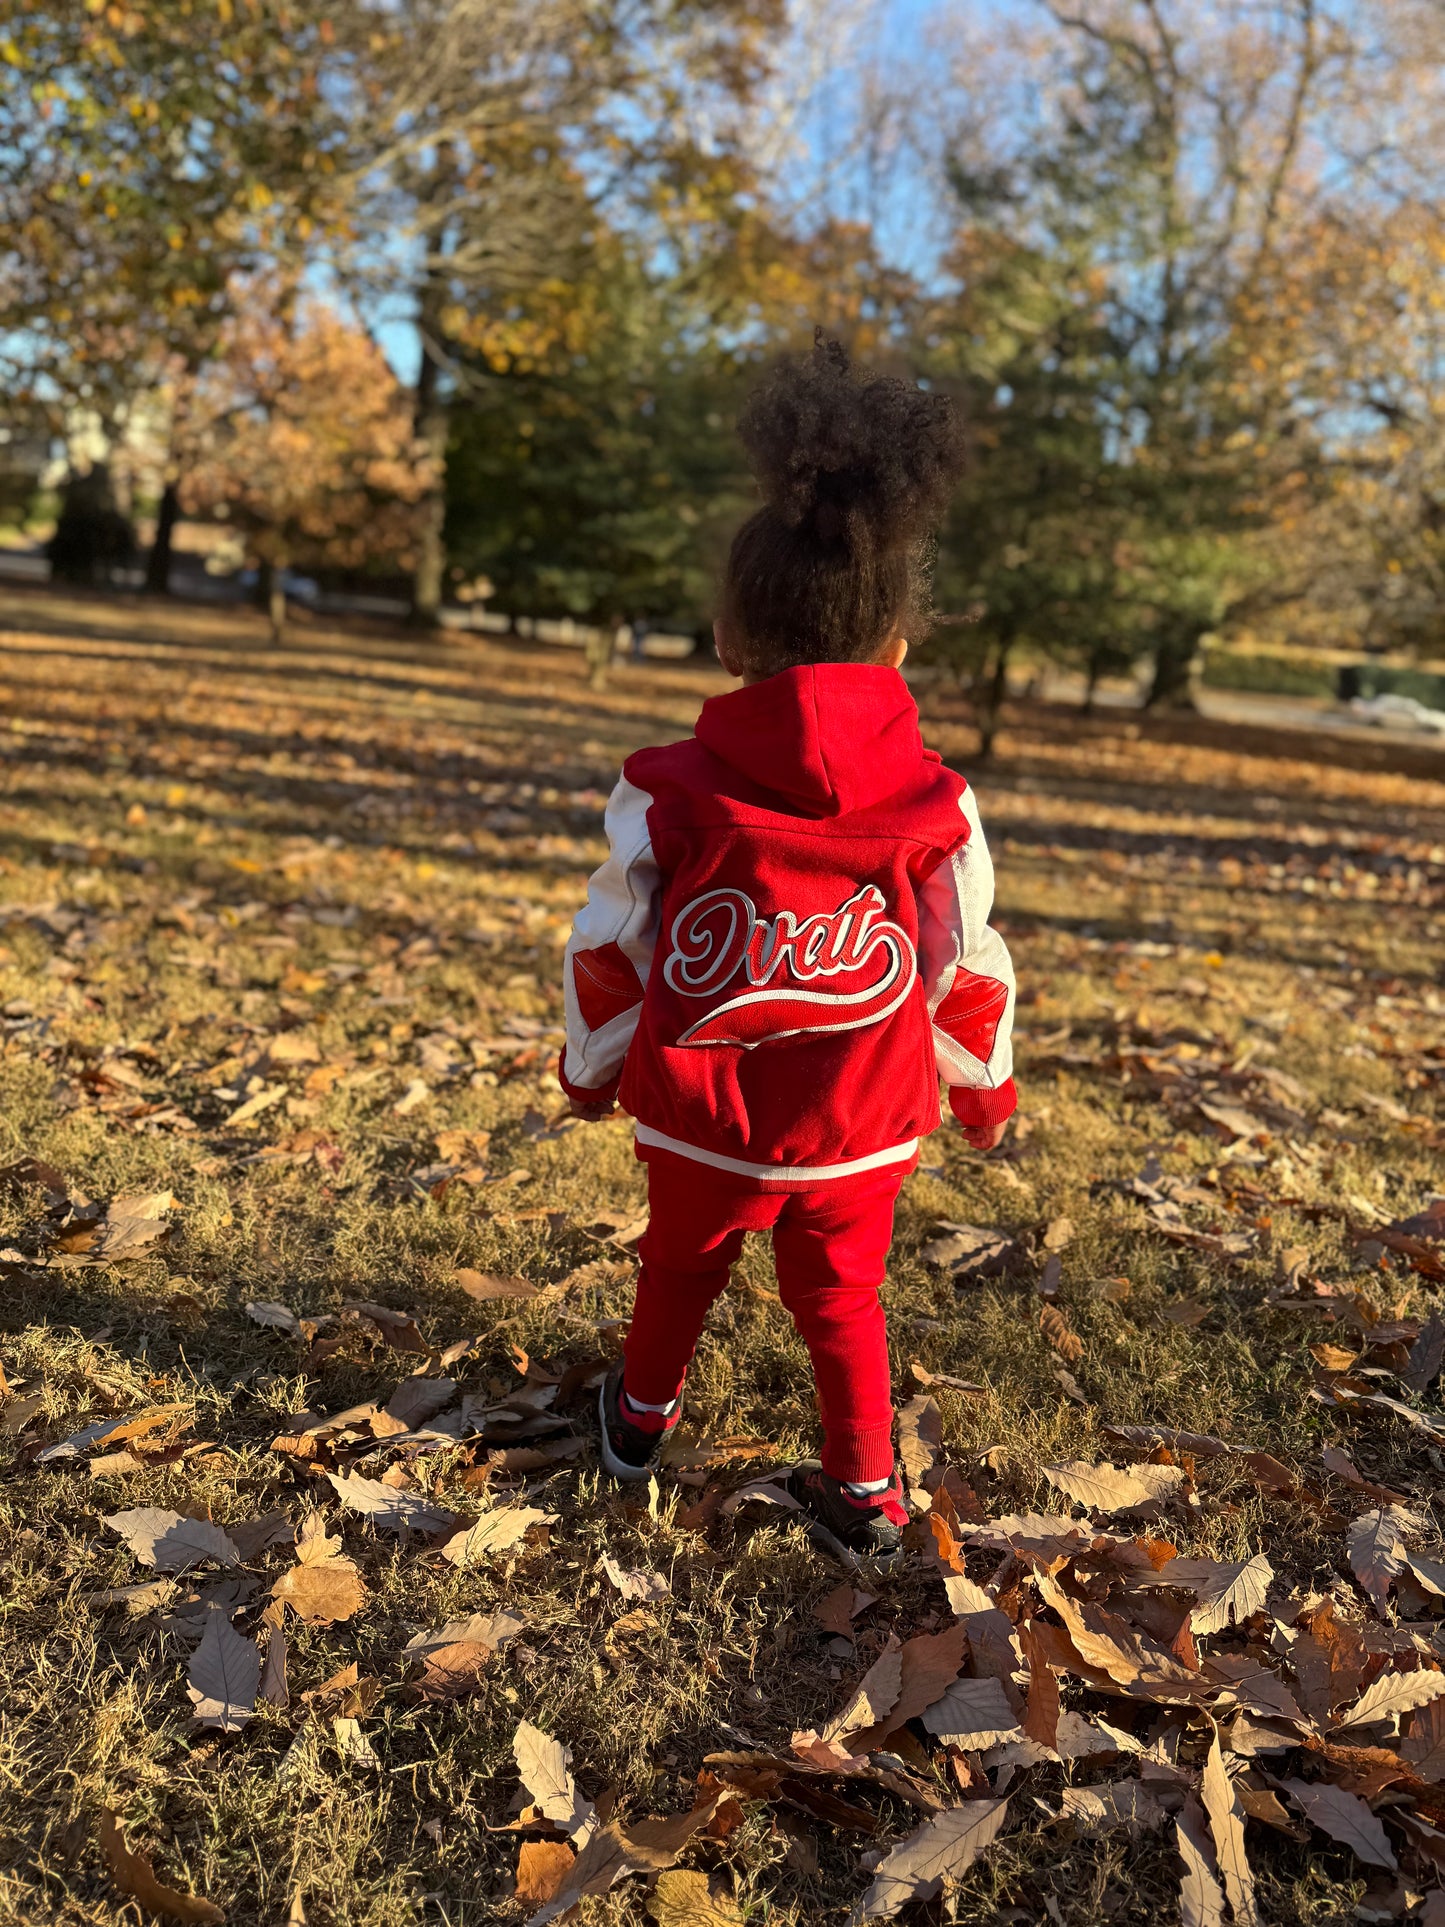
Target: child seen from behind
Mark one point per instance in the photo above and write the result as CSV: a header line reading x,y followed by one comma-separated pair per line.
x,y
789,942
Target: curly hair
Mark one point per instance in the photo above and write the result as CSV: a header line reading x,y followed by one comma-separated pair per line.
x,y
855,472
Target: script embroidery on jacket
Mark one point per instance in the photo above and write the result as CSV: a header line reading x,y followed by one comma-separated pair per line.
x,y
867,959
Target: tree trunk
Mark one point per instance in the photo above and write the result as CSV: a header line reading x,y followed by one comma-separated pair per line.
x,y
990,698
271,599
158,563
432,428
1175,674
1091,680
432,416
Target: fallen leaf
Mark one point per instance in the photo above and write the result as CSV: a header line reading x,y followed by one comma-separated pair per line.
x,y
615,1850
224,1675
484,1285
1336,1460
1224,1590
943,1848
398,1329
273,1688
1390,1695
969,1251
252,1537
1112,1488
1109,1804
418,1399
135,1876
636,1585
1226,1824
1377,1550
974,1714
387,1508
836,1612
1424,1745
110,1431
542,1764
171,1542
928,1666
920,1437
322,1588
1201,1898
1344,1817
264,1312
684,1899
1060,1334
493,1532
874,1698
947,1381
351,1743
543,1868
1041,1709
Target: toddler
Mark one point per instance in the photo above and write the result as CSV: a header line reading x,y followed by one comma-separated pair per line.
x,y
789,944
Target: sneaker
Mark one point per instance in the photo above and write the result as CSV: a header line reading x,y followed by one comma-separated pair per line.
x,y
631,1444
867,1531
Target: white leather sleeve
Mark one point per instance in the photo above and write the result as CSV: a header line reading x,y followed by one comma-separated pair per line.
x,y
622,909
965,963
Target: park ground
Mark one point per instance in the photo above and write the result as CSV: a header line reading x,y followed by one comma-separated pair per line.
x,y
280,936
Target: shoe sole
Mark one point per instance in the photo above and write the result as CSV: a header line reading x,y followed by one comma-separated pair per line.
x,y
819,1535
617,1468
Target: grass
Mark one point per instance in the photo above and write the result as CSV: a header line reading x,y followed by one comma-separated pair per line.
x,y
377,846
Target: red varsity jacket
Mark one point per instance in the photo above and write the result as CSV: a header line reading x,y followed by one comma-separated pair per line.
x,y
789,943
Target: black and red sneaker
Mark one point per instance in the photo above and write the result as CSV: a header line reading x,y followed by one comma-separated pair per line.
x,y
632,1439
857,1531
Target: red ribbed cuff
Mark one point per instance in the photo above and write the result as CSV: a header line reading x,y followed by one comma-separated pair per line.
x,y
858,1458
598,1094
976,1110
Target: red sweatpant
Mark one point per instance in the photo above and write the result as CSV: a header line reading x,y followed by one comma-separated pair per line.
x,y
830,1248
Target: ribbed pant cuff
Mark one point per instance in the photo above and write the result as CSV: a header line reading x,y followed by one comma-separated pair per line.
x,y
859,1457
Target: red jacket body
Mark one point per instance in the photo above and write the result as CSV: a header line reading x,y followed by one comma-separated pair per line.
x,y
789,943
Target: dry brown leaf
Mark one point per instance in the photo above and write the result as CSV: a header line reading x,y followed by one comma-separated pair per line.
x,y
1424,1745
874,1698
543,1869
1344,1817
1112,1488
929,1664
224,1675
1041,1709
1377,1550
683,1898
1226,1825
322,1592
265,1312
1390,1695
1223,1591
1060,1335
493,1532
972,1713
1201,1898
485,1285
836,1613
171,1542
1111,1646
273,1688
920,1437
134,1875
636,1584
387,1508
110,1431
1113,1803
943,1848
542,1764
1336,1460
947,1381
418,1399
615,1850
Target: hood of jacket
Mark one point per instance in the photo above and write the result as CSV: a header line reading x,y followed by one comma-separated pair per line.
x,y
826,738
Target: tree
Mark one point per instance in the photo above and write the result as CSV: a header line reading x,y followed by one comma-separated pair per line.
x,y
300,436
1138,168
150,158
486,142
